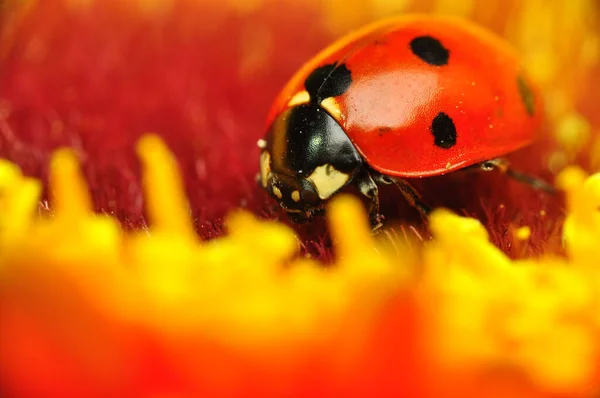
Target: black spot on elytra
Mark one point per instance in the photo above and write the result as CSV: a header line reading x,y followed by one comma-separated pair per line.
x,y
526,95
444,131
328,81
430,50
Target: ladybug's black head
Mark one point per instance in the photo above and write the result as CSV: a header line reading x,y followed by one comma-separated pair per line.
x,y
305,159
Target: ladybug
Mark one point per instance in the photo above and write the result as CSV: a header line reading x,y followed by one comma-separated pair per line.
x,y
407,97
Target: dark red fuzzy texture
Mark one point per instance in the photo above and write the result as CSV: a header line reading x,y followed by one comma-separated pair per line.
x,y
97,79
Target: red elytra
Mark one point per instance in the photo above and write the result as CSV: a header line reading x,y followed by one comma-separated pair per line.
x,y
417,96
394,96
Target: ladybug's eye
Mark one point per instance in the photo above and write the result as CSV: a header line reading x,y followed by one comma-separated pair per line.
x,y
309,196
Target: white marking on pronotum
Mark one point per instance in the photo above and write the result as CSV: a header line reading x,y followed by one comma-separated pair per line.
x,y
327,180
262,144
265,168
332,107
299,98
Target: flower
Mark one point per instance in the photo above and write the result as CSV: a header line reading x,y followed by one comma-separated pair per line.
x,y
106,289
216,312
89,309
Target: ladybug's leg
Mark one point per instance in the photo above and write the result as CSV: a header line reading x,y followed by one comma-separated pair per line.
x,y
368,188
412,196
503,166
409,192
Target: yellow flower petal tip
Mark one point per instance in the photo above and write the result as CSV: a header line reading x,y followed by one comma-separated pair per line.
x,y
462,242
582,224
166,204
448,226
348,224
583,193
19,197
69,190
267,238
9,174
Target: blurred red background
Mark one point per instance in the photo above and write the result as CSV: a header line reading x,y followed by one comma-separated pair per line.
x,y
95,75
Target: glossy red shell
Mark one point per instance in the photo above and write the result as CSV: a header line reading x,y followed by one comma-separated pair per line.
x,y
394,96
